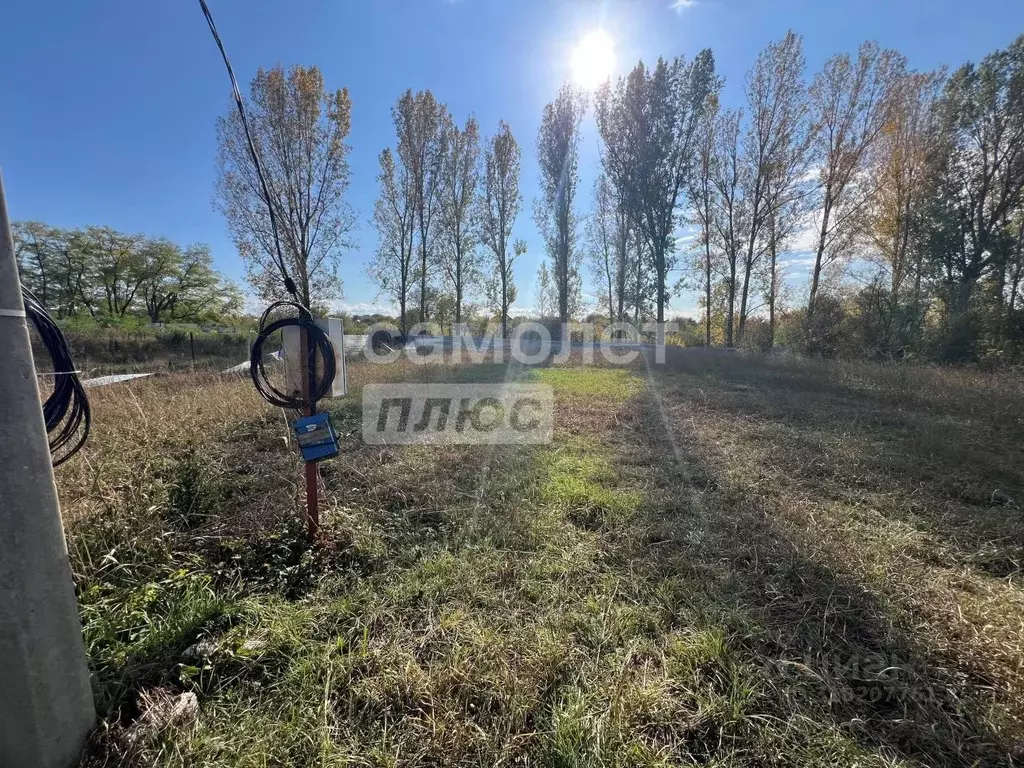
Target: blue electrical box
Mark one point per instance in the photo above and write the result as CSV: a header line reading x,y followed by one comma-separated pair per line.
x,y
316,437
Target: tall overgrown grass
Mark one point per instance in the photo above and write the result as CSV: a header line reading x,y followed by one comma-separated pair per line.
x,y
726,560
100,350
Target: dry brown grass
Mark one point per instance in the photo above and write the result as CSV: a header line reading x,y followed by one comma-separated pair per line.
x,y
906,485
722,561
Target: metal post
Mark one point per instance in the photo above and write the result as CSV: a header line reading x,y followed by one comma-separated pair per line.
x,y
46,705
308,356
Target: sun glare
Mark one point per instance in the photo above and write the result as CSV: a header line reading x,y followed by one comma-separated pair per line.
x,y
594,59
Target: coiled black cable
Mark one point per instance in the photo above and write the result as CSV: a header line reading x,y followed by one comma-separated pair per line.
x,y
66,411
322,346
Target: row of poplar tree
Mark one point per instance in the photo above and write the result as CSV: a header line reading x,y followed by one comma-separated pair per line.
x,y
442,206
901,191
101,272
910,184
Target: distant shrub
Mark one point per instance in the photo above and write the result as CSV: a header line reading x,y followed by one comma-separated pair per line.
x,y
122,347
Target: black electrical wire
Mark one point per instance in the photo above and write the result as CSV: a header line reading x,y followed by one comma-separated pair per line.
x,y
320,341
322,346
66,411
289,284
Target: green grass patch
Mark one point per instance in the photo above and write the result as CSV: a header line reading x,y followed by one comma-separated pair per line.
x,y
613,384
598,602
581,482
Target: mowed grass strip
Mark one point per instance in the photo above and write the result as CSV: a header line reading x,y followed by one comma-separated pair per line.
x,y
675,580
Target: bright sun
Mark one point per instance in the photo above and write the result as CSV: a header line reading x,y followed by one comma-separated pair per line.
x,y
594,59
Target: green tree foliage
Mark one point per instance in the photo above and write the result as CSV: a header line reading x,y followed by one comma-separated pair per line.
x,y
182,284
394,267
902,190
98,271
612,249
300,130
457,240
728,210
545,297
497,209
56,268
558,140
647,123
897,174
976,182
850,104
776,147
910,183
420,124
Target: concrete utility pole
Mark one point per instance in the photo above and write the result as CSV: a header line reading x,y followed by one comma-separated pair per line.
x,y
46,705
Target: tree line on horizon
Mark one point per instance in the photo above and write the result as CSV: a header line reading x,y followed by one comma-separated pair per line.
x,y
905,188
443,202
101,273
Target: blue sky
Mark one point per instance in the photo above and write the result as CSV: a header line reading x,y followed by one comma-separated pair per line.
x,y
109,105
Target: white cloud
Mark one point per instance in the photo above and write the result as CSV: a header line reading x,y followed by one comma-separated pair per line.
x,y
811,174
681,5
797,262
522,310
806,236
692,312
365,308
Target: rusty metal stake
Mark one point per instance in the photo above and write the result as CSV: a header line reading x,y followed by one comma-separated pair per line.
x,y
308,354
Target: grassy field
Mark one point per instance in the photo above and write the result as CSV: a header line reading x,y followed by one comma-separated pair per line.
x,y
725,561
101,351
